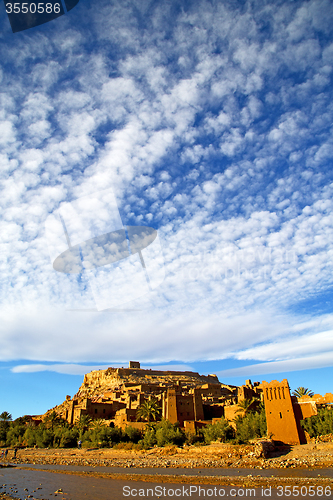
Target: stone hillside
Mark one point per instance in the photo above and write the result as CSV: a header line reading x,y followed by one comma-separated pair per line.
x,y
98,382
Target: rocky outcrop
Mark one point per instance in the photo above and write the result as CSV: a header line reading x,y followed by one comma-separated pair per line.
x,y
99,382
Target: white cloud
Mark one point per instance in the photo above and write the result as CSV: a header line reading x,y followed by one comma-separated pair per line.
x,y
294,346
73,369
305,363
246,233
68,334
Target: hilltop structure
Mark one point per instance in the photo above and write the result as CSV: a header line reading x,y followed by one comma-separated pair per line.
x,y
188,398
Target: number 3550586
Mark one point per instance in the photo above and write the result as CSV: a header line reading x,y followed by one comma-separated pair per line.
x,y
32,8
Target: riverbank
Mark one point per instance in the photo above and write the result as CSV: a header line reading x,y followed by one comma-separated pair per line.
x,y
215,455
100,474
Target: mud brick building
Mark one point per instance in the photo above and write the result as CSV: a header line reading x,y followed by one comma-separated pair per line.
x,y
188,398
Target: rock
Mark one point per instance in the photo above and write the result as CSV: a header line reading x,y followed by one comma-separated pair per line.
x,y
263,448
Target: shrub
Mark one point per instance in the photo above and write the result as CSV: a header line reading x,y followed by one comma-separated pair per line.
x,y
220,430
194,439
29,437
65,437
44,437
319,425
115,434
251,426
4,428
149,438
15,435
168,433
132,434
102,436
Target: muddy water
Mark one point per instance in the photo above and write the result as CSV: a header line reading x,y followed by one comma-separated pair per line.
x,y
22,484
44,485
189,472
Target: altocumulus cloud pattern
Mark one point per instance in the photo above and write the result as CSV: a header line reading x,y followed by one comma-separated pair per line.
x,y
212,122
120,263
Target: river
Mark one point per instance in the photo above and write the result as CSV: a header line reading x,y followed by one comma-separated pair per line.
x,y
43,483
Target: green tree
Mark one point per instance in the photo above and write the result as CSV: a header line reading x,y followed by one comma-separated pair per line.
x,y
148,410
302,391
5,417
102,436
64,437
149,438
132,434
15,435
250,426
320,424
247,405
52,420
98,423
44,437
29,438
5,422
163,433
168,433
83,424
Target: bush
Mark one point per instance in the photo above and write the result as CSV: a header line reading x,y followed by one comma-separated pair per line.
x,y
251,426
132,434
167,433
319,425
194,439
4,428
149,438
102,436
220,430
61,435
15,435
29,437
115,435
65,437
44,437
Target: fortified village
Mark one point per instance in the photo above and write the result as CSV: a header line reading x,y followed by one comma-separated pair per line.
x,y
188,398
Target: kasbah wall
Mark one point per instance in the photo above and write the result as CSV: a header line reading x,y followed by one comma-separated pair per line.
x,y
188,398
285,412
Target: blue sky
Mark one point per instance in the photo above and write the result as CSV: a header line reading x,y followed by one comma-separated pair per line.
x,y
210,121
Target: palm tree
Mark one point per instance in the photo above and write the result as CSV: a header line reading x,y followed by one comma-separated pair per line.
x,y
5,421
53,419
5,417
148,409
246,405
83,424
98,423
302,391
